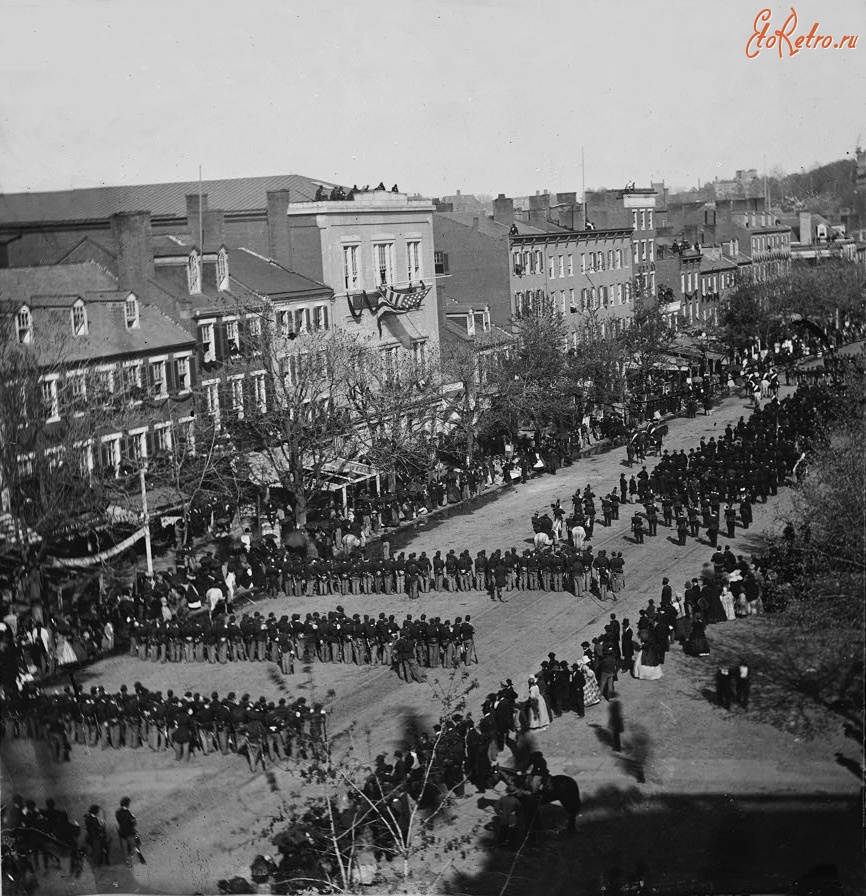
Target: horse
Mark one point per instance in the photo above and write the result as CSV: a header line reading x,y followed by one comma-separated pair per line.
x,y
560,789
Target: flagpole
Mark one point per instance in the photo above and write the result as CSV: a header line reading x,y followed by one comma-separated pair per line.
x,y
200,222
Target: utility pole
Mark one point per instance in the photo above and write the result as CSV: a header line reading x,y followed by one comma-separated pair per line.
x,y
583,186
146,517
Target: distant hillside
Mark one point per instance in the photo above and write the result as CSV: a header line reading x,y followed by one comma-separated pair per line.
x,y
824,189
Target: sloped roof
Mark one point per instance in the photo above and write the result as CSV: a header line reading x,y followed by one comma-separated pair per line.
x,y
270,278
486,226
716,264
66,279
250,276
161,200
50,292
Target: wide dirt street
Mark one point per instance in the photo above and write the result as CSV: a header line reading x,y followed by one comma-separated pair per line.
x,y
700,800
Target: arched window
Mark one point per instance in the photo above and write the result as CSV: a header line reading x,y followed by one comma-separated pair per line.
x,y
222,270
193,274
24,325
131,312
79,319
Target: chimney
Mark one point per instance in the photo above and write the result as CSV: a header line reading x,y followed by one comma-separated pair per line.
x,y
806,228
539,206
214,224
132,235
193,208
503,210
279,232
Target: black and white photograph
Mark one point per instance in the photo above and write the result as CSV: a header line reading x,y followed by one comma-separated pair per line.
x,y
432,447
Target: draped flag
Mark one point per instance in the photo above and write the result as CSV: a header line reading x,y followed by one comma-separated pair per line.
x,y
401,300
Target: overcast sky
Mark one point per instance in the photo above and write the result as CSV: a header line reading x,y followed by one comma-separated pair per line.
x,y
437,95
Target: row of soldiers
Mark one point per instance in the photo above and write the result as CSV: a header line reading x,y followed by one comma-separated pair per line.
x,y
332,637
189,724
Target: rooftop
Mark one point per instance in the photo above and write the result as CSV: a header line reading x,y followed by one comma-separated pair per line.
x,y
50,292
162,200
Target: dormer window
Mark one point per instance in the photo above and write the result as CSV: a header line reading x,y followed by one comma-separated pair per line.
x,y
24,325
79,319
131,312
222,270
193,274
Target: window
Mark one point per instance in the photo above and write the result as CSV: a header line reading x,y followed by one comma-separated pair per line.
x,y
383,262
593,298
254,326
649,219
551,269
584,299
260,393
603,292
599,261
643,219
156,379
50,404
538,267
528,264
206,343
562,300
651,246
181,374
24,324
682,282
715,283
212,399
561,266
233,338
591,262
131,310
518,302
193,274
419,357
320,317
222,270
570,265
301,320
162,438
634,219
571,304
109,453
643,250
77,386
619,293
517,262
389,361
237,386
635,251
582,262
610,259
703,286
413,252
351,270
618,259
104,382
131,377
135,448
79,319
626,290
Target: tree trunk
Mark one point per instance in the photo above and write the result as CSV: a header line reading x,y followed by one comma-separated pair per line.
x,y
300,507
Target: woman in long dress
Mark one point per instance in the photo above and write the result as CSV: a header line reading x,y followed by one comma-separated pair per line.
x,y
727,599
63,651
646,662
697,643
591,690
539,717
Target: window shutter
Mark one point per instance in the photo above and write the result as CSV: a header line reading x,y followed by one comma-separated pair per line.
x,y
220,341
150,443
171,376
244,336
445,262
